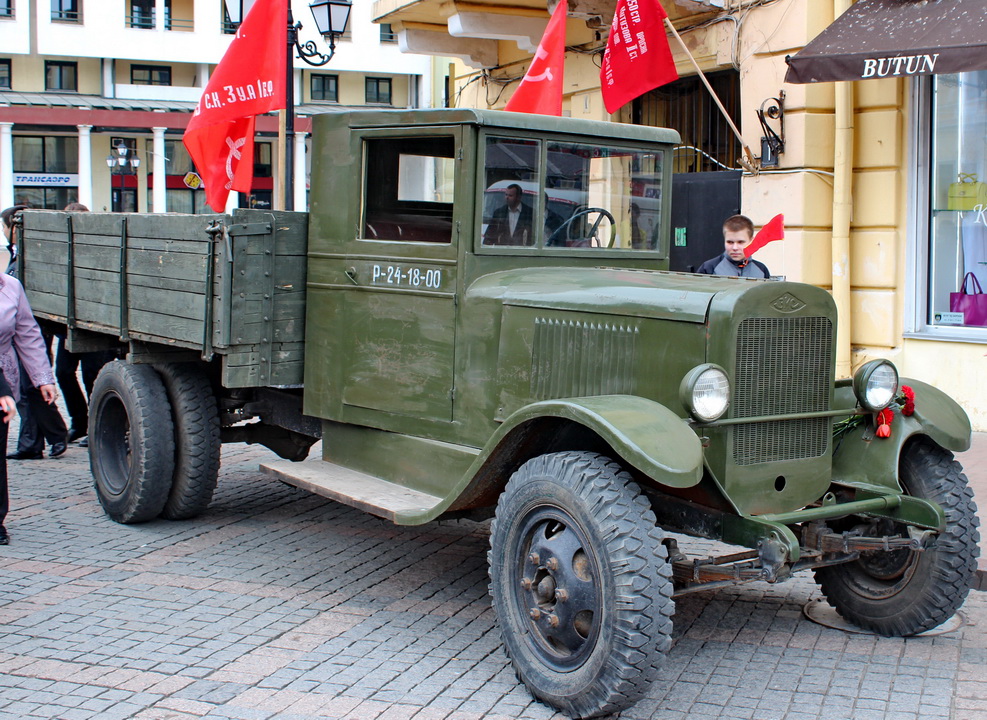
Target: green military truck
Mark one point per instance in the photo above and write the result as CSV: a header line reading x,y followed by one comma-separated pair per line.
x,y
459,353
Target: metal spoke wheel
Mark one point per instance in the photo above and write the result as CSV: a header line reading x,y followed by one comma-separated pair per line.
x,y
580,583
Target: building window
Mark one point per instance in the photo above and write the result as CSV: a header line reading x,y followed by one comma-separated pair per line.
x,y
6,8
685,105
41,167
387,35
49,154
325,87
379,90
958,200
4,74
61,76
66,10
263,166
150,74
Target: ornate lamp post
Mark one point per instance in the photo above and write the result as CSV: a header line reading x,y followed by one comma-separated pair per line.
x,y
331,17
118,165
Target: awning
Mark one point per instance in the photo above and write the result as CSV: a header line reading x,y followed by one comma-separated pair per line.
x,y
896,38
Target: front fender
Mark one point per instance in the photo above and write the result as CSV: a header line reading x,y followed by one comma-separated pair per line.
x,y
645,434
861,458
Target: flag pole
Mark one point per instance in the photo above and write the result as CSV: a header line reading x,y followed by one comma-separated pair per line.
x,y
750,161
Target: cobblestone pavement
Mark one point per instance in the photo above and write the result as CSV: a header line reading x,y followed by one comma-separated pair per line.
x,y
279,604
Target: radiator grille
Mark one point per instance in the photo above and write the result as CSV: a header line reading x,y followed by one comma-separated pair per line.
x,y
575,359
783,366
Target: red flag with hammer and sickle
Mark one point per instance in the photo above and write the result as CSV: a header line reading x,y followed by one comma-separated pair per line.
x,y
541,89
249,81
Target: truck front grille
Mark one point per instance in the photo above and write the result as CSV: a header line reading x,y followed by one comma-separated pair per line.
x,y
784,365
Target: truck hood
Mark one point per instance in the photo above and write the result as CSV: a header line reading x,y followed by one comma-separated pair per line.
x,y
684,297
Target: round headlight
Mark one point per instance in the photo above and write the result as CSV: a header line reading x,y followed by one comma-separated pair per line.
x,y
705,392
876,384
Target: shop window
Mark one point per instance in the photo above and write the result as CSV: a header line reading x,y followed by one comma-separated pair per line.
x,y
325,87
958,200
52,154
46,198
150,74
61,76
378,91
66,10
4,74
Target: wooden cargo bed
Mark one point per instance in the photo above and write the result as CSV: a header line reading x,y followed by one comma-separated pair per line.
x,y
216,285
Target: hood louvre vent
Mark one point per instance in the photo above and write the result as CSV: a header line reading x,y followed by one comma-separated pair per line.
x,y
578,359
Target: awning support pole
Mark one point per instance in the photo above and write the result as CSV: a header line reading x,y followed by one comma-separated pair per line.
x,y
749,162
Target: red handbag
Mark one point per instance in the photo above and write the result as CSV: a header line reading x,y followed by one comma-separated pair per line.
x,y
973,305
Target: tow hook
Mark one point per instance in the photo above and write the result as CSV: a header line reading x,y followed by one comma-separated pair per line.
x,y
773,554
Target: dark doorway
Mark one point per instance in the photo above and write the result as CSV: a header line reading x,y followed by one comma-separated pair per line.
x,y
700,203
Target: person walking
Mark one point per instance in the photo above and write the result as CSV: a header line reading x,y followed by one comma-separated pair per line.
x,y
67,373
40,419
20,342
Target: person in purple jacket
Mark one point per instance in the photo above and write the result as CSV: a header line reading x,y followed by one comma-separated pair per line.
x,y
20,338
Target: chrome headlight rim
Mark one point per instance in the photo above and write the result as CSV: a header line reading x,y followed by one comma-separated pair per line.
x,y
693,384
871,384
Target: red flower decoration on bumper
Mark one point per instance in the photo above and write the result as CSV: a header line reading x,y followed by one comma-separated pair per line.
x,y
884,419
909,407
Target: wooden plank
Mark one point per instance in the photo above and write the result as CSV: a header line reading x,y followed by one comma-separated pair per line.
x,y
370,494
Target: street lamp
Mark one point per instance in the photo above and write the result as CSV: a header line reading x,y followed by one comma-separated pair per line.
x,y
119,162
331,17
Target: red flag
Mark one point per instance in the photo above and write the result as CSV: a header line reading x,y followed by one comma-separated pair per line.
x,y
541,89
773,230
637,58
249,81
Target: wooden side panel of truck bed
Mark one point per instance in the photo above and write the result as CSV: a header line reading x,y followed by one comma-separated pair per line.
x,y
232,287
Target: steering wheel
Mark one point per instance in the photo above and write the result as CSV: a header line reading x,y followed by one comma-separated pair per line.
x,y
588,240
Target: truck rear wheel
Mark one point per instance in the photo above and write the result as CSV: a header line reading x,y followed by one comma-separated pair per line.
x,y
580,583
904,592
197,445
131,442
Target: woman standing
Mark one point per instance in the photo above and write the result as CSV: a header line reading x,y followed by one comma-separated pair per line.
x,y
20,338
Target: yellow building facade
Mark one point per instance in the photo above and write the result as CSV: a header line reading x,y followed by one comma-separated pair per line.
x,y
861,180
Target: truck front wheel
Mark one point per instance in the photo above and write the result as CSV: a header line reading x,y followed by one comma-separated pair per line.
x,y
580,583
903,592
131,442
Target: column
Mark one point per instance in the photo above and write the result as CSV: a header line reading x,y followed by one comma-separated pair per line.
x,y
6,165
202,76
85,191
301,196
159,194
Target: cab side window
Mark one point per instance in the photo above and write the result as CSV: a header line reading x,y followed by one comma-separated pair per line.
x,y
510,197
409,189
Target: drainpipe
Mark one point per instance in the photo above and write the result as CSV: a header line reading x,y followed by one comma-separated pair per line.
x,y
842,209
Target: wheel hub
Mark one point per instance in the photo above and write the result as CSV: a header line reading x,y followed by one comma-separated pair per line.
x,y
558,587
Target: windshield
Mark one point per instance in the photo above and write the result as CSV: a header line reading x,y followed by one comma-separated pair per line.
x,y
571,195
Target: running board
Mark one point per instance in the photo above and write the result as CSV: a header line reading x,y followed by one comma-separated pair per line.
x,y
399,504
